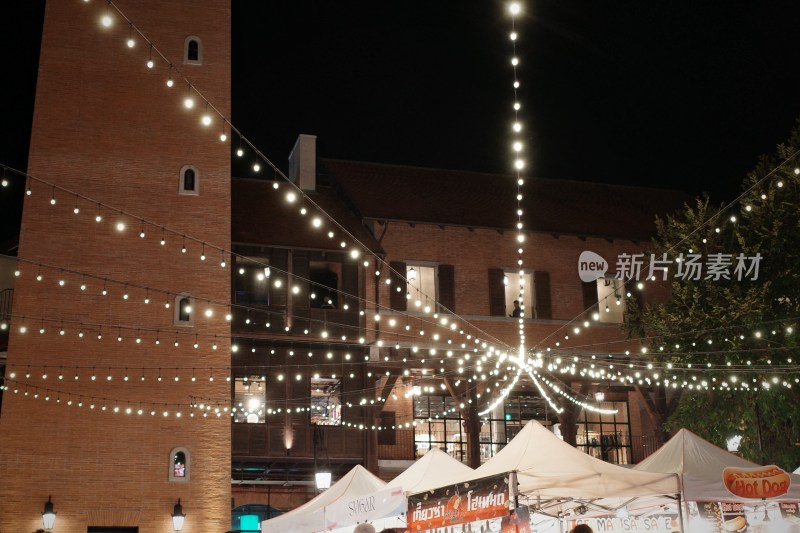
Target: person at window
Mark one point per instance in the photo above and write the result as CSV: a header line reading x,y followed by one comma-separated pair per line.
x,y
517,312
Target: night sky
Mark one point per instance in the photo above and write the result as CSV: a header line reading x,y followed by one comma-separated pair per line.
x,y
680,94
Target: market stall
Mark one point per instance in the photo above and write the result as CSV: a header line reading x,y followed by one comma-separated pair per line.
x,y
434,469
553,480
358,488
723,492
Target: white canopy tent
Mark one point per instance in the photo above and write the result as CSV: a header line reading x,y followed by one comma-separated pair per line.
x,y
547,467
434,469
700,464
310,517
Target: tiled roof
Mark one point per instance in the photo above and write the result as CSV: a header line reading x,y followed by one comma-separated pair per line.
x,y
261,215
450,197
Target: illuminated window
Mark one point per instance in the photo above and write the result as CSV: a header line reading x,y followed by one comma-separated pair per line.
x,y
193,51
511,281
421,287
189,183
606,436
611,300
184,310
179,464
249,400
326,401
439,425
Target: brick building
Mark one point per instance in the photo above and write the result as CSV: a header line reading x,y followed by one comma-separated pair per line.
x,y
106,128
354,339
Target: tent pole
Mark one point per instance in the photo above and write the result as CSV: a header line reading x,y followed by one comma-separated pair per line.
x,y
680,513
514,488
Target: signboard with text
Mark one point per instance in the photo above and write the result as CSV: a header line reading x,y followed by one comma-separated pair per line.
x,y
653,524
382,504
480,499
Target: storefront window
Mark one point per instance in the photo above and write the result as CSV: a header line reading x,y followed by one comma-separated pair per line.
x,y
606,436
439,425
326,401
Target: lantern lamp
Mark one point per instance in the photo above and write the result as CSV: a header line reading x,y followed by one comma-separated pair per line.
x,y
323,480
48,515
178,516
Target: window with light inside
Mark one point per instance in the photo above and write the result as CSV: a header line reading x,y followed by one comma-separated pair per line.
x,y
249,400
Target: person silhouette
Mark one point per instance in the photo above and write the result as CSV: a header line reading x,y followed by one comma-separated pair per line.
x,y
517,312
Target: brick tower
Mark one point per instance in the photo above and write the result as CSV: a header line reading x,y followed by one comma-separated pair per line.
x,y
113,142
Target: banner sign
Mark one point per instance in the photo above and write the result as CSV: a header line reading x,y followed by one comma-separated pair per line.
x,y
740,517
611,524
480,499
382,504
519,521
760,483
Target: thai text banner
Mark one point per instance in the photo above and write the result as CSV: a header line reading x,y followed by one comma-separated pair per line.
x,y
480,499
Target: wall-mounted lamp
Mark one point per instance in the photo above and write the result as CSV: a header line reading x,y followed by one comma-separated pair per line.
x,y
411,274
178,516
48,515
599,396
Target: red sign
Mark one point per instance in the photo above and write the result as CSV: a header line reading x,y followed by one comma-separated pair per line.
x,y
480,499
756,483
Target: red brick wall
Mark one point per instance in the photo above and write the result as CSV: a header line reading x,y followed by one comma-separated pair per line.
x,y
107,127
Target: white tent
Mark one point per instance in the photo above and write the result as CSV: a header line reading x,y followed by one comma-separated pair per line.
x,y
548,467
700,465
310,517
434,469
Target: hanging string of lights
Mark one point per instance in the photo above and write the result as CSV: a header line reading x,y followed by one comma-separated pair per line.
x,y
107,21
519,164
121,226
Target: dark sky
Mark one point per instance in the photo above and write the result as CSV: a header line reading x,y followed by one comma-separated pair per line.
x,y
680,94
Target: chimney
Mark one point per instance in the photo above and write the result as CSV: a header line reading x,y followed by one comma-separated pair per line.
x,y
303,162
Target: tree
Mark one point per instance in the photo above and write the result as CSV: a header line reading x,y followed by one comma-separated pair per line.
x,y
727,342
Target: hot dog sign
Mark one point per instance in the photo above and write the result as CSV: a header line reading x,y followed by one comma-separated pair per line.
x,y
765,482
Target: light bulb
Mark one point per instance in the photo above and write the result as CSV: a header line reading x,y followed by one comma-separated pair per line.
x,y
206,120
514,8
188,102
240,152
131,42
256,167
170,83
150,63
223,137
106,21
